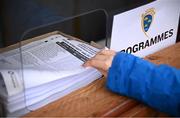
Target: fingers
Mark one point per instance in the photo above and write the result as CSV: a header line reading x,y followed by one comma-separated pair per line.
x,y
103,72
97,63
100,57
101,61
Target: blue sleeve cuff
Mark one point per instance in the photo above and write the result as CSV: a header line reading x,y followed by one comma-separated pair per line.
x,y
117,80
157,86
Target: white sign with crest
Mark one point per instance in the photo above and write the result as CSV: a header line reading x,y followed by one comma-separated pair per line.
x,y
146,29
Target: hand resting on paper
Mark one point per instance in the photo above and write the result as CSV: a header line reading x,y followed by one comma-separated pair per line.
x,y
101,61
137,78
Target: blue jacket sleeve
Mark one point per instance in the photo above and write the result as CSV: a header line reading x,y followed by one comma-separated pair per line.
x,y
156,85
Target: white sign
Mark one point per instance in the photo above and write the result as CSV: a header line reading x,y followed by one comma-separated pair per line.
x,y
146,29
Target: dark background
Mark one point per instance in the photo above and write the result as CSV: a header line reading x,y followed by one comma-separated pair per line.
x,y
18,16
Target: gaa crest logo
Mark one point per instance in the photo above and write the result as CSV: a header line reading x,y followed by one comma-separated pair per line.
x,y
147,19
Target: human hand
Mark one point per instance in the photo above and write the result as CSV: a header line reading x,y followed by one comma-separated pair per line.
x,y
101,61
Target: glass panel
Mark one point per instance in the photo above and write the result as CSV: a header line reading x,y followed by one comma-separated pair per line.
x,y
52,61
11,81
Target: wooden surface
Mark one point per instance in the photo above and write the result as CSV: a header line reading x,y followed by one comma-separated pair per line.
x,y
96,100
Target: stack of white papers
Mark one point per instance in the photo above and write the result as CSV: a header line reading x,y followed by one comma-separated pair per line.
x,y
43,71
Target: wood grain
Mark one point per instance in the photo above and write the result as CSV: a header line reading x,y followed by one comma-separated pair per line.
x,y
96,100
